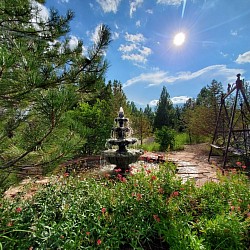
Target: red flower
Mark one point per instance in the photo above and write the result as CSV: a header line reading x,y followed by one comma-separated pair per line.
x,y
103,210
161,191
18,209
66,175
88,233
138,197
148,171
156,217
99,242
117,170
238,163
175,193
153,178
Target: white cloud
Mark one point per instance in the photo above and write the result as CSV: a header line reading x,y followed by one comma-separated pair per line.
x,y
170,2
179,99
145,51
115,35
243,58
42,15
149,11
134,50
137,38
109,5
234,32
63,1
73,42
127,48
162,77
135,57
138,23
95,35
153,103
133,6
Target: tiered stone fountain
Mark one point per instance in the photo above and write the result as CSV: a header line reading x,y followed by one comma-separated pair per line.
x,y
120,137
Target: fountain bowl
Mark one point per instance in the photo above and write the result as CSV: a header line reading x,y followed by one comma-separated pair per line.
x,y
122,159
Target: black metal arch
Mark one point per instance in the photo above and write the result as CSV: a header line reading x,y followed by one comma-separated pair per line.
x,y
232,133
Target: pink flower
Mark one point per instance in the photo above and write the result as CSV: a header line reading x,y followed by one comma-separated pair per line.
x,y
117,170
18,209
248,214
103,210
238,163
232,208
87,233
244,167
99,242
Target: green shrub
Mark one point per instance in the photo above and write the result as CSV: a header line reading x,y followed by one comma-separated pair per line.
x,y
147,209
165,137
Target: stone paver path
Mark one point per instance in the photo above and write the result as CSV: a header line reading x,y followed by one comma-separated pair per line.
x,y
191,166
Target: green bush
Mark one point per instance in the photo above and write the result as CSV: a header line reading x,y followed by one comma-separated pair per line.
x,y
143,210
165,137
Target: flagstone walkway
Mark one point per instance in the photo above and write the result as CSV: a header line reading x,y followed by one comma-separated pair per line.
x,y
193,166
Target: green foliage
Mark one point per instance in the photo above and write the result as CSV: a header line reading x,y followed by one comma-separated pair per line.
x,y
166,138
180,140
151,147
136,211
164,114
42,80
95,124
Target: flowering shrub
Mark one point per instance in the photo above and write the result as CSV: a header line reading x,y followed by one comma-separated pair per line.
x,y
146,210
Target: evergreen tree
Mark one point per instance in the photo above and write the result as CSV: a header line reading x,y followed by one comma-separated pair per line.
x,y
148,112
42,79
164,115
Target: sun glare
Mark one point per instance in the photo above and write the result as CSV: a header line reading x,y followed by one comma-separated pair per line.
x,y
179,39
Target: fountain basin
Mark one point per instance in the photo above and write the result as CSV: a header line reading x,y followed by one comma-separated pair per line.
x,y
122,159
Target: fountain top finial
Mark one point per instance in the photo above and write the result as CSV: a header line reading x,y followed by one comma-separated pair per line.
x,y
121,112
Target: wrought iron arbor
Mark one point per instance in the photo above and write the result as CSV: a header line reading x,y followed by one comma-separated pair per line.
x,y
232,133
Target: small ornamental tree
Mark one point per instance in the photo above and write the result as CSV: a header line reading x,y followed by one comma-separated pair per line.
x,y
165,137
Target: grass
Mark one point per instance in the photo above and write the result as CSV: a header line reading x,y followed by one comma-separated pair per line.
x,y
148,210
180,140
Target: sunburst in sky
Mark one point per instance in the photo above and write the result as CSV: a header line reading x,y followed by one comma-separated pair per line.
x,y
180,44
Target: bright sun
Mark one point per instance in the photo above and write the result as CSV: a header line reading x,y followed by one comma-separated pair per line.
x,y
179,39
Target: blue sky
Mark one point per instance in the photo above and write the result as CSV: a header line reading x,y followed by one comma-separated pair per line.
x,y
142,55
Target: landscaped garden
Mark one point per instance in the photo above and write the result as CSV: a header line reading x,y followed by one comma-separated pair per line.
x,y
147,209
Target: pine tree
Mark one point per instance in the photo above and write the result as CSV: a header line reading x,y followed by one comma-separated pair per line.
x,y
42,80
164,115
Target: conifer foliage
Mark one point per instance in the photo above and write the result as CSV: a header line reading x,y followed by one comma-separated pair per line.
x,y
42,80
